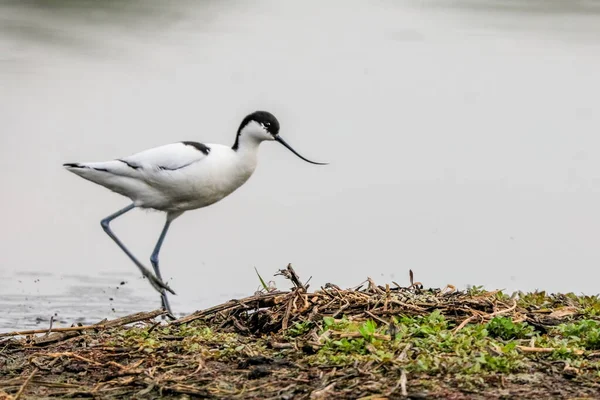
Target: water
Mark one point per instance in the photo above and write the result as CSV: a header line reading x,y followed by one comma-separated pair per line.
x,y
462,135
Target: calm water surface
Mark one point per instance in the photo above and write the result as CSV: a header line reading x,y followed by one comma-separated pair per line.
x,y
463,138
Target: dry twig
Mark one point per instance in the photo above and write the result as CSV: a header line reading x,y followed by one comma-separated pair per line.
x,y
24,385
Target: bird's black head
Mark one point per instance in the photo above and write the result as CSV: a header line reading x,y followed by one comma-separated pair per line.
x,y
264,119
260,126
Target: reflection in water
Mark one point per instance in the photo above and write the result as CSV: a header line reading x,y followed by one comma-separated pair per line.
x,y
462,137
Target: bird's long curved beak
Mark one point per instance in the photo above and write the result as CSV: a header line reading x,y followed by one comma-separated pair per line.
x,y
283,142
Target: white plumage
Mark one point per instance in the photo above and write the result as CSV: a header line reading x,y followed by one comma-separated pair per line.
x,y
174,177
181,176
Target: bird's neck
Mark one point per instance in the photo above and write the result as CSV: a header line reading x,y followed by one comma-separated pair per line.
x,y
246,154
246,145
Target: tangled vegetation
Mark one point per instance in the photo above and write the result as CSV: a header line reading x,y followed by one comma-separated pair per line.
x,y
370,342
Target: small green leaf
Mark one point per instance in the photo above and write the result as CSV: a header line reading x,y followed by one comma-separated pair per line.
x,y
328,321
262,282
367,329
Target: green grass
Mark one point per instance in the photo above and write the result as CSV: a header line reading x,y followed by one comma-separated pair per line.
x,y
429,345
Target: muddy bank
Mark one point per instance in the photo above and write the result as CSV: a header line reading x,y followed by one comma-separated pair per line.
x,y
373,342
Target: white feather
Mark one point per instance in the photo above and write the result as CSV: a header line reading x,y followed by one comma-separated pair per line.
x,y
171,156
174,177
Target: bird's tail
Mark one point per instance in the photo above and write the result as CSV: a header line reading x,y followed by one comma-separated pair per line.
x,y
101,169
97,166
114,175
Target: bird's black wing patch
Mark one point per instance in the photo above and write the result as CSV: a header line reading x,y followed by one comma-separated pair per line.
x,y
77,165
198,146
129,164
174,169
201,147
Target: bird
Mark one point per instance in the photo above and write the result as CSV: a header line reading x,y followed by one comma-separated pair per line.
x,y
180,177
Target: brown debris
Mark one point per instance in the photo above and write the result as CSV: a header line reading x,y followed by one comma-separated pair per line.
x,y
277,311
89,361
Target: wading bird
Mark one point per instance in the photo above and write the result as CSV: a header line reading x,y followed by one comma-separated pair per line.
x,y
179,177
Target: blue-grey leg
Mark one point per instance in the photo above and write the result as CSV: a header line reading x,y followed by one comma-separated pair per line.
x,y
157,283
154,262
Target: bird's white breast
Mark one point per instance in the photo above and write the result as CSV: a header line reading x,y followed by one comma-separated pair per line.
x,y
201,183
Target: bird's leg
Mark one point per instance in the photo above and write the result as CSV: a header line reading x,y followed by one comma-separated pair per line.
x,y
154,262
157,283
154,259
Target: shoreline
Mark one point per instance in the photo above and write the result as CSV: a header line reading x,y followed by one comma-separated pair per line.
x,y
370,342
